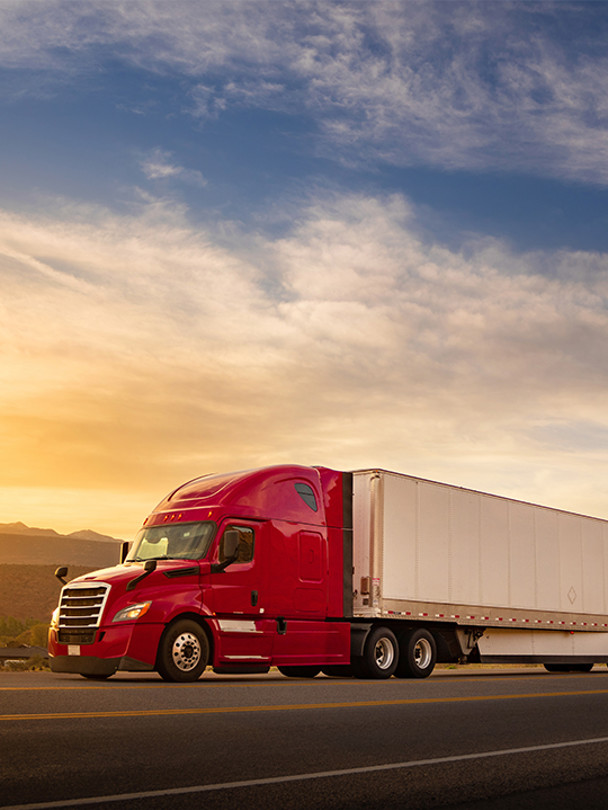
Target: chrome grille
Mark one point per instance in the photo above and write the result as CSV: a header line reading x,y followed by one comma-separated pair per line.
x,y
80,609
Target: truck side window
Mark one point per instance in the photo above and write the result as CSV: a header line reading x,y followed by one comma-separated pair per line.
x,y
246,538
307,494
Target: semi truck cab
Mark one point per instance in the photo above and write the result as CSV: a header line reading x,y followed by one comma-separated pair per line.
x,y
239,572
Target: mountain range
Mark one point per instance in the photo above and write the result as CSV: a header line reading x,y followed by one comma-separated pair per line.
x,y
29,556
24,545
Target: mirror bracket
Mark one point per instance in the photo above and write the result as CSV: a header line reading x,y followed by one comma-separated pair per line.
x,y
230,542
149,566
61,573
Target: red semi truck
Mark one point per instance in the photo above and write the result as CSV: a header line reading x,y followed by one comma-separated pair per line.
x,y
366,573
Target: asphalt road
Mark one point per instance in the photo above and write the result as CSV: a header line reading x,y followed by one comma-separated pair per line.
x,y
472,738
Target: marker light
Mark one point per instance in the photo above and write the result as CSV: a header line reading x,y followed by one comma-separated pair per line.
x,y
132,612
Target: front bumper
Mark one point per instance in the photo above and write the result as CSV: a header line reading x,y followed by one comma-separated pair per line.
x,y
125,646
92,665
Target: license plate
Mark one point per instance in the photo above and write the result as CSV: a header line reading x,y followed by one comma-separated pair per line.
x,y
73,649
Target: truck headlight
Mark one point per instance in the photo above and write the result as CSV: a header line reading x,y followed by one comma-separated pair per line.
x,y
132,612
55,618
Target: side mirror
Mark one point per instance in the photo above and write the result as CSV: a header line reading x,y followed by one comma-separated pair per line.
x,y
230,551
60,573
231,545
124,550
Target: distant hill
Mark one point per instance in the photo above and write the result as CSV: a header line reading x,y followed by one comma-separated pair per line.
x,y
23,545
29,557
21,528
31,591
87,534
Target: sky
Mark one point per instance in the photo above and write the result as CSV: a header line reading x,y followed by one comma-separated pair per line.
x,y
328,232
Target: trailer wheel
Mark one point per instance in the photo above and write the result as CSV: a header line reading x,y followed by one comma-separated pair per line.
x,y
380,655
417,656
299,672
183,652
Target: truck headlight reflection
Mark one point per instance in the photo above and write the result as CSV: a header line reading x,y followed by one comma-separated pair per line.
x,y
132,612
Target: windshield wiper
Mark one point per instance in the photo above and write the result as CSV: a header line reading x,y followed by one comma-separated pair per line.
x,y
160,557
145,559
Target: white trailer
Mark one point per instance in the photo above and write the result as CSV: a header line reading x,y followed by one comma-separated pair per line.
x,y
484,578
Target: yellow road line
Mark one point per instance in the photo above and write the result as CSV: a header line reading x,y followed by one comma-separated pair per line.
x,y
291,706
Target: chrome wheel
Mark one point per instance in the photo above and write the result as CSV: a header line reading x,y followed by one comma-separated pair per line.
x,y
384,653
417,654
380,654
183,652
423,653
186,652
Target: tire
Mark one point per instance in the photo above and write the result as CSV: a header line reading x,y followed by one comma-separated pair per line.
x,y
556,667
299,672
418,653
380,655
183,652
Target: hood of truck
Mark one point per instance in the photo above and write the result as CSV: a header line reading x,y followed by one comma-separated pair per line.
x,y
121,575
111,575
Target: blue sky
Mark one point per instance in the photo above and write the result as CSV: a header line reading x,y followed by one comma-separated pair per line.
x,y
348,233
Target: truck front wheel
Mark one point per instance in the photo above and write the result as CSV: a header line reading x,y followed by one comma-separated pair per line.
x,y
380,655
183,653
417,656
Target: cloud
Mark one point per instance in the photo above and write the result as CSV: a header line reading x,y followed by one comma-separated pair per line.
x,y
158,165
135,352
460,85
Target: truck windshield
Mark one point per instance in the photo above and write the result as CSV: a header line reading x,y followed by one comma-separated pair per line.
x,y
179,541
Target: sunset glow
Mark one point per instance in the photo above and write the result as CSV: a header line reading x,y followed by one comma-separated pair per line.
x,y
357,244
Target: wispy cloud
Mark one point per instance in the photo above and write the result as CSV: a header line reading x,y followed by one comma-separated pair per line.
x,y
457,85
159,355
159,165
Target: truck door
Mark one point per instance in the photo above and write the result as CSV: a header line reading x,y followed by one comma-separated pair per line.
x,y
239,588
310,598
